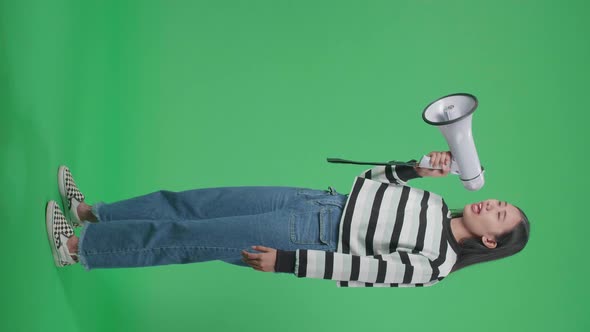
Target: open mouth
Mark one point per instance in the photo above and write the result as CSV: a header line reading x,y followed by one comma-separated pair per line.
x,y
476,208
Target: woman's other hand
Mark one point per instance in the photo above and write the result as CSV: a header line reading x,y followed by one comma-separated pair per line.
x,y
264,262
437,159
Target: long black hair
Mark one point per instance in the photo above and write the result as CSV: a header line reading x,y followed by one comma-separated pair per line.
x,y
473,251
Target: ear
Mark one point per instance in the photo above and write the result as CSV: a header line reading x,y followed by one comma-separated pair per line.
x,y
488,242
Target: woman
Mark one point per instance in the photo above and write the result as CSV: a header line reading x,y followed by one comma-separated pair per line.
x,y
383,234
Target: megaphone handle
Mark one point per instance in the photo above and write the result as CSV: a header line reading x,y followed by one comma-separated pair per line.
x,y
393,162
425,163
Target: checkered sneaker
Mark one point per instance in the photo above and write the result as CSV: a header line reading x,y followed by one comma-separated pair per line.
x,y
58,232
70,195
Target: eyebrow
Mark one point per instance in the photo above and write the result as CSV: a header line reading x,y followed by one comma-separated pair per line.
x,y
505,204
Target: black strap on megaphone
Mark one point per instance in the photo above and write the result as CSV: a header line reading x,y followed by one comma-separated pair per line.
x,y
393,162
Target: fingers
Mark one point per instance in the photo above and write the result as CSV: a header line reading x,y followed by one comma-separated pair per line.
x,y
250,256
445,160
261,262
262,248
440,164
434,158
440,159
251,264
251,259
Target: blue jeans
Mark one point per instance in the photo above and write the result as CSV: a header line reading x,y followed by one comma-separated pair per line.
x,y
167,227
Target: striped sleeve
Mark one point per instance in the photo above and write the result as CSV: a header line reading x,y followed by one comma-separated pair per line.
x,y
391,174
397,267
368,284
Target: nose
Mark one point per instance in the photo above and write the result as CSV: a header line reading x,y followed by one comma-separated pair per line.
x,y
489,205
492,204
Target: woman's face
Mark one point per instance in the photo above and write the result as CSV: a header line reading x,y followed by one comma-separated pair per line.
x,y
490,218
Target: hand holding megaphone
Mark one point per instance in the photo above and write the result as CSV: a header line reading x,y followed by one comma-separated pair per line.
x,y
452,114
437,164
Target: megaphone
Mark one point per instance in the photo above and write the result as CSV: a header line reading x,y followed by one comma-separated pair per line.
x,y
452,114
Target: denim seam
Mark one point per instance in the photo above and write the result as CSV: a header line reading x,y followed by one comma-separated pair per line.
x,y
191,219
312,192
293,233
329,203
87,253
324,218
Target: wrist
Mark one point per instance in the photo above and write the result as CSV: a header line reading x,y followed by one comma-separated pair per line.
x,y
420,172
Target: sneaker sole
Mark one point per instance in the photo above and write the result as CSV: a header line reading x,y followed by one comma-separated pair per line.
x,y
49,225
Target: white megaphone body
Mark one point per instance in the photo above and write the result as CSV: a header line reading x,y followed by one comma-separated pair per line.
x,y
452,115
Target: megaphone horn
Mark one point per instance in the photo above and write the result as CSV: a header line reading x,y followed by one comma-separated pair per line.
x,y
452,114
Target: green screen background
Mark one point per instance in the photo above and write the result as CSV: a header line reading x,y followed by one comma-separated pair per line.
x,y
137,96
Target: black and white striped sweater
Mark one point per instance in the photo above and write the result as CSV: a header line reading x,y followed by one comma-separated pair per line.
x,y
391,235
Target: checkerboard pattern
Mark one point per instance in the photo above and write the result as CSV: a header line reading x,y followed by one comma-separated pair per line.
x,y
60,232
71,188
69,191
